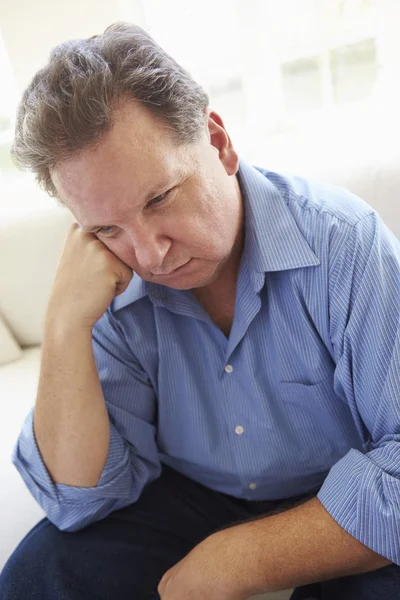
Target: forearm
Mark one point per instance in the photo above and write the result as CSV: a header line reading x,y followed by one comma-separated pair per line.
x,y
300,546
71,423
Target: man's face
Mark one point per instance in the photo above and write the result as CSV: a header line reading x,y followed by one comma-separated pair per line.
x,y
173,214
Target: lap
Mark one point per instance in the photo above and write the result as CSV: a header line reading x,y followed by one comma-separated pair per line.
x,y
124,555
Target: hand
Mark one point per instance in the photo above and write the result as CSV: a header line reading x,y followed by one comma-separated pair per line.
x,y
88,278
211,571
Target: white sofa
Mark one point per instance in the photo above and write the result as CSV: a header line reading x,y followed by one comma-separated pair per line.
x,y
30,245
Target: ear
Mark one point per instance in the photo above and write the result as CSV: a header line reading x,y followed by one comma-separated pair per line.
x,y
221,141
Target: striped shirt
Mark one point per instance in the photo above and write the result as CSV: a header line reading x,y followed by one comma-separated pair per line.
x,y
304,396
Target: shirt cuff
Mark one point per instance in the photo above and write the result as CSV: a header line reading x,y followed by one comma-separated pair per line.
x,y
115,481
365,501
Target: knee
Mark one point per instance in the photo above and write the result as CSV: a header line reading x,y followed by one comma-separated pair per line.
x,y
29,571
50,564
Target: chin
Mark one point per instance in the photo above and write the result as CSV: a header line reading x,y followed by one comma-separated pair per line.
x,y
205,274
193,283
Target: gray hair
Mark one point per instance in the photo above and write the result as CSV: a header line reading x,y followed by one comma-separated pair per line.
x,y
70,102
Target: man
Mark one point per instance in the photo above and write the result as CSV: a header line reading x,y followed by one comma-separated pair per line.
x,y
225,422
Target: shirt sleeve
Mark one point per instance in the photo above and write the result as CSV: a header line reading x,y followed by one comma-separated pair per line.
x,y
362,490
132,460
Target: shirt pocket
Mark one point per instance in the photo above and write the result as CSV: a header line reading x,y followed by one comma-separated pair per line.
x,y
391,488
319,423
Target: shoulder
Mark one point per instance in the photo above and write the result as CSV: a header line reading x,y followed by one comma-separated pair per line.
x,y
320,199
326,215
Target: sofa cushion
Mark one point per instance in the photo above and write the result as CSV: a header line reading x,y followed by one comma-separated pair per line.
x,y
19,510
9,348
30,248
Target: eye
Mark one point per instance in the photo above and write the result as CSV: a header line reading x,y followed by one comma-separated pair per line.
x,y
159,199
106,231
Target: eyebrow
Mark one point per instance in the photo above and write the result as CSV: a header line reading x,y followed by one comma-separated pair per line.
x,y
150,196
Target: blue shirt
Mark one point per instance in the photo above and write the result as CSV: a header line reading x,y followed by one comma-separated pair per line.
x,y
304,395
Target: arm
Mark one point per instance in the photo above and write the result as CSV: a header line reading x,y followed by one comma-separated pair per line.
x,y
75,462
314,547
71,423
299,546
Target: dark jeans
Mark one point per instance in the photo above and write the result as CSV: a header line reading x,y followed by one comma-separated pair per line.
x,y
124,556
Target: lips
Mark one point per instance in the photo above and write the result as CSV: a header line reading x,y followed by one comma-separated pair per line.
x,y
171,272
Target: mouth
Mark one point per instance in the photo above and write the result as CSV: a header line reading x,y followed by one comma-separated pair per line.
x,y
173,272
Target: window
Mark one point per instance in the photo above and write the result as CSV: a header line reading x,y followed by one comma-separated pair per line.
x,y
302,84
269,65
354,71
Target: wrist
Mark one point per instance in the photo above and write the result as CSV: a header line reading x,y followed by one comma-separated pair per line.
x,y
62,327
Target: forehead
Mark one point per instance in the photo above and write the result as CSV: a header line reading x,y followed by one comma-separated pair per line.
x,y
137,155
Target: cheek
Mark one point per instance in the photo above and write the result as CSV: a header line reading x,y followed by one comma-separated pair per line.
x,y
122,250
204,233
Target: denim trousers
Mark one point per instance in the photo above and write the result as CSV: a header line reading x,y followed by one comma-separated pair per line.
x,y
124,556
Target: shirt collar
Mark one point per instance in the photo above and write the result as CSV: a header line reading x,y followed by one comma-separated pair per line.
x,y
273,240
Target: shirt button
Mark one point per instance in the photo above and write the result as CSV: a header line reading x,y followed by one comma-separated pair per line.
x,y
252,486
228,369
239,430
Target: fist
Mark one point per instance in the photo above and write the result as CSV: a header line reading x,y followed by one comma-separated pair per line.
x,y
88,278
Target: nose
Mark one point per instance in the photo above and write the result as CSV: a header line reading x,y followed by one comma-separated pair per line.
x,y
150,248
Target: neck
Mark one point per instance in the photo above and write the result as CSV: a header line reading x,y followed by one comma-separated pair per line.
x,y
224,285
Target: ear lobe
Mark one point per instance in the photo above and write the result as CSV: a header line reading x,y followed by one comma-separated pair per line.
x,y
226,153
230,160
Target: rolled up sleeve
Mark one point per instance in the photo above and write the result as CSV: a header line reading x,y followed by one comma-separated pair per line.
x,y
132,460
362,490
